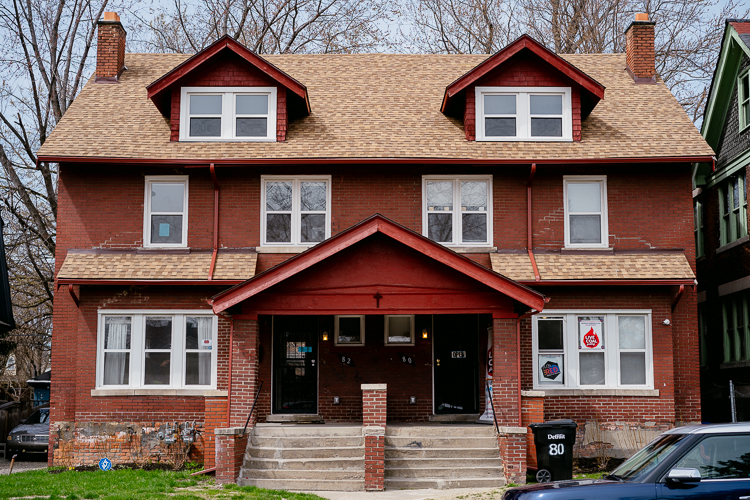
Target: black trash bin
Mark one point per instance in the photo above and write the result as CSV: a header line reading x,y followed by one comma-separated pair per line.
x,y
554,449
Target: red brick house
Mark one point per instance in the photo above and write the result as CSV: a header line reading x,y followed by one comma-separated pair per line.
x,y
344,235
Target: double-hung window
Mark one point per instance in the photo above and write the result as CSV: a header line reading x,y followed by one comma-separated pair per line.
x,y
735,319
524,114
156,350
743,99
166,206
228,114
732,209
592,349
295,210
457,211
586,211
698,221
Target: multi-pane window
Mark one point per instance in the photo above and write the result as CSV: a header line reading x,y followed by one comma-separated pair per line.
x,y
166,202
732,209
592,350
734,311
296,211
163,349
522,113
586,211
743,99
228,113
457,211
698,221
703,333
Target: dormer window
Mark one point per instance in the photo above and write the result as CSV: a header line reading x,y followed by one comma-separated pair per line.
x,y
524,114
228,114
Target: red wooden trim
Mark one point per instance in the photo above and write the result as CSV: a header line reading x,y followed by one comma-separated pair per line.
x,y
73,281
196,163
524,42
608,282
251,316
358,232
501,313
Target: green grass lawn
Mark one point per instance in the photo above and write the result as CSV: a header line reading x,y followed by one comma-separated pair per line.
x,y
130,484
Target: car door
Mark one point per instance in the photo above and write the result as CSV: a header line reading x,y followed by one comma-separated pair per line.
x,y
724,464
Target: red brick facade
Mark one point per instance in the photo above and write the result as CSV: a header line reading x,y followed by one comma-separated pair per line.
x,y
230,452
374,414
513,452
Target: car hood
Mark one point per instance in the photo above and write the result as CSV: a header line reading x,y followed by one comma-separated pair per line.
x,y
524,491
31,429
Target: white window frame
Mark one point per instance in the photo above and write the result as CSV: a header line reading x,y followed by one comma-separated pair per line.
x,y
137,348
296,181
411,330
523,112
612,350
361,327
228,115
164,179
457,228
587,179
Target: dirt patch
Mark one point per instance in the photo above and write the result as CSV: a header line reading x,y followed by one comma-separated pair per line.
x,y
93,468
591,465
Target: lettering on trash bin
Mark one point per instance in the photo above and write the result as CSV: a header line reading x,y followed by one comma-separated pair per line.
x,y
556,449
555,436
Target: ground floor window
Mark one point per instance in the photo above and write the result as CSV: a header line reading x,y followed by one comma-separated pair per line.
x,y
592,349
156,349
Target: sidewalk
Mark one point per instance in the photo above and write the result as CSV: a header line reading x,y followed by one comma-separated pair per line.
x,y
431,494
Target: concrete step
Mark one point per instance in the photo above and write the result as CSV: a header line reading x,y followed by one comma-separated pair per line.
x,y
442,472
350,452
306,464
456,441
443,484
419,463
303,476
452,453
307,442
440,430
307,430
307,485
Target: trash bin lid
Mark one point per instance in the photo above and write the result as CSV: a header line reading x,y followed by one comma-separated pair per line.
x,y
554,424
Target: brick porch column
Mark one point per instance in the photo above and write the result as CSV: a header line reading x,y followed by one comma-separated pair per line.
x,y
512,444
215,418
532,410
230,453
505,377
374,398
244,381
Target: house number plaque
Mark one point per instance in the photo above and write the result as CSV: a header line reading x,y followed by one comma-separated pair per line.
x,y
458,354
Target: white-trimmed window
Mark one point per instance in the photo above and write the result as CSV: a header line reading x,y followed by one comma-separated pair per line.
x,y
524,114
228,114
457,211
156,350
743,99
295,210
349,330
586,211
592,350
399,329
165,211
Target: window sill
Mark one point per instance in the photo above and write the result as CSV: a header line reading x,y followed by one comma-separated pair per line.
x,y
734,364
459,249
599,392
733,244
158,392
283,249
591,249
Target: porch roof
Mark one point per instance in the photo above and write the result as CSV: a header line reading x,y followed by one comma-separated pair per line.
x,y
378,224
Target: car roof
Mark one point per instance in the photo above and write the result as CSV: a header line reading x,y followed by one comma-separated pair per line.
x,y
712,428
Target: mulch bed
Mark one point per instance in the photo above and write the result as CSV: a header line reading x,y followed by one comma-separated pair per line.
x,y
591,465
93,468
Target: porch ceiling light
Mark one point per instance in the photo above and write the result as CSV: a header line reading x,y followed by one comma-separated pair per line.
x,y
424,333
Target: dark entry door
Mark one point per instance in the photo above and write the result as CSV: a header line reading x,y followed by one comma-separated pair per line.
x,y
295,364
456,363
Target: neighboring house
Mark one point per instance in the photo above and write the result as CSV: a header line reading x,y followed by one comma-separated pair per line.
x,y
40,386
341,234
722,248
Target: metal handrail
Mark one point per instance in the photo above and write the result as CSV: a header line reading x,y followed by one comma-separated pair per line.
x,y
492,403
253,408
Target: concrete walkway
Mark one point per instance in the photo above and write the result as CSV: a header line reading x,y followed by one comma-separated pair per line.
x,y
453,494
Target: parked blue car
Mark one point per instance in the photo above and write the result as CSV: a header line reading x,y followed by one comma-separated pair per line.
x,y
702,462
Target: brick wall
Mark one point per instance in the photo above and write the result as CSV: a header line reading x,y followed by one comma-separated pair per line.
x,y
230,452
505,381
532,411
244,372
215,418
513,452
374,398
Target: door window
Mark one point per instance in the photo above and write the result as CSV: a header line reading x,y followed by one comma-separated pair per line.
x,y
720,457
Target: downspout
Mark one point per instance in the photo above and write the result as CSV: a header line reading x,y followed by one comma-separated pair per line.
x,y
678,297
518,357
229,378
529,242
216,223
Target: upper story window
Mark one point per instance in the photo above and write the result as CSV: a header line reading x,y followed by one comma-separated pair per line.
x,y
698,221
228,114
592,349
743,99
456,211
732,209
735,315
165,218
156,349
524,114
586,211
295,210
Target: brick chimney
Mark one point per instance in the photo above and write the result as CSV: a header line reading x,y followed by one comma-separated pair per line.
x,y
110,52
639,48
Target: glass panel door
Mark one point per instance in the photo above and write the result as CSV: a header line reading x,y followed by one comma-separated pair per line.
x,y
295,367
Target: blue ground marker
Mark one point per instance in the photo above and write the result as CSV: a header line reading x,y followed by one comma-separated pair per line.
x,y
105,464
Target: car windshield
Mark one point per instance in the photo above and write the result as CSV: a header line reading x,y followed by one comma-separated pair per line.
x,y
648,458
38,417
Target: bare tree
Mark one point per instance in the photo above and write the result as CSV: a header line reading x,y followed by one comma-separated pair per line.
x,y
268,26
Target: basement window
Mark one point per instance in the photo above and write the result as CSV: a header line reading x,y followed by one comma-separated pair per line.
x,y
228,114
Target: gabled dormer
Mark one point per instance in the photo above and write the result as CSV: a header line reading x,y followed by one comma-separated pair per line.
x,y
524,92
226,92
